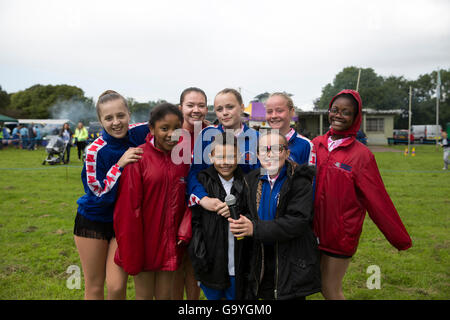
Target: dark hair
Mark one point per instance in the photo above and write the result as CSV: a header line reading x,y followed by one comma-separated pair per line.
x,y
352,99
109,95
192,89
232,91
161,110
226,138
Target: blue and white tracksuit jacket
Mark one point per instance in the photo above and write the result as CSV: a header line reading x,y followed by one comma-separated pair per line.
x,y
101,172
302,149
247,145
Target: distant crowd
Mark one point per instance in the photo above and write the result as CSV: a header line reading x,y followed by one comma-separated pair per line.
x,y
21,136
30,137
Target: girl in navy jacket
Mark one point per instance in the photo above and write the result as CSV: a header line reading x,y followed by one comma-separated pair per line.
x,y
283,261
105,159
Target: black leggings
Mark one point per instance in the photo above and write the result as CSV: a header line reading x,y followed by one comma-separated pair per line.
x,y
80,146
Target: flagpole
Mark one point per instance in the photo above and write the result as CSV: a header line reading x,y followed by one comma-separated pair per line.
x,y
438,97
409,120
357,82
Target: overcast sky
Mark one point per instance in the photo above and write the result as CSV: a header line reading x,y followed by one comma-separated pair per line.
x,y
154,49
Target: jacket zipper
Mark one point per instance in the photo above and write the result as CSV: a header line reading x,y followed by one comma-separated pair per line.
x,y
276,272
275,291
261,274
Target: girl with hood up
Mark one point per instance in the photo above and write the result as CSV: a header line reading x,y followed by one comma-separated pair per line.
x,y
348,184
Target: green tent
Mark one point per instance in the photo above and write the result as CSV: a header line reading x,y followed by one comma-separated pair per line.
x,y
4,118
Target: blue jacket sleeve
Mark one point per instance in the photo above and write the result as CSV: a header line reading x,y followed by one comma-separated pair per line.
x,y
100,180
200,161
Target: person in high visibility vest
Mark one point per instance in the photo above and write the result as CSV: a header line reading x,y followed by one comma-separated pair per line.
x,y
1,137
80,136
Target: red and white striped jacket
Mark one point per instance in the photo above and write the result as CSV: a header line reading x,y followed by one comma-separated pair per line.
x,y
101,172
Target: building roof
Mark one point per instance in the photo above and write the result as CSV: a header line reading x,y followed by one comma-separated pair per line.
x,y
4,118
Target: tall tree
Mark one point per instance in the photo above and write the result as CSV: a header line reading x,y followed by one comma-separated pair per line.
x,y
36,101
347,79
392,92
4,101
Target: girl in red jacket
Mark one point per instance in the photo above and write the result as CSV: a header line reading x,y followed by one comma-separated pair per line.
x,y
151,218
348,184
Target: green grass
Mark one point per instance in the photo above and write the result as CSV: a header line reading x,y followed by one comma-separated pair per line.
x,y
38,207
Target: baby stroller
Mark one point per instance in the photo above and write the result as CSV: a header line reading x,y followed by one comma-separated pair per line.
x,y
56,148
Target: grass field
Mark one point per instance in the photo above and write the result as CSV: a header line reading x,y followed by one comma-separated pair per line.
x,y
38,206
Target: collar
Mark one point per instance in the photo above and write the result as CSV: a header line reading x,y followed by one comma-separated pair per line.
x,y
111,140
237,132
324,140
151,142
290,134
333,144
225,181
280,176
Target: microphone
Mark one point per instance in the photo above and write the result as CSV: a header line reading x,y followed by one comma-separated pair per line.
x,y
230,200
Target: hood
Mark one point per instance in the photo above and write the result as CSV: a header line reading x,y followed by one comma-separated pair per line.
x,y
357,122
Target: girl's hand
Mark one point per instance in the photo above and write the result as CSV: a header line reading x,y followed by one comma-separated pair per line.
x,y
223,210
241,227
131,155
215,205
210,204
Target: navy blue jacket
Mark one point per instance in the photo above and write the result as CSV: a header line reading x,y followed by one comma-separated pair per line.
x,y
101,172
247,142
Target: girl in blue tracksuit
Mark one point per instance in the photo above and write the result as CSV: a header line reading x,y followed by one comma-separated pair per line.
x,y
105,159
228,107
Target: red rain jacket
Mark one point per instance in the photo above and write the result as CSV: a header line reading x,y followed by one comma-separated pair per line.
x,y
151,213
348,184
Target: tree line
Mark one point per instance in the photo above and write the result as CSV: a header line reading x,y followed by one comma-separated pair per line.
x,y
377,92
392,92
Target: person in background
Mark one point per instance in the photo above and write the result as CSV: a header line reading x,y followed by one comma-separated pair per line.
x,y
38,136
80,137
6,136
23,136
361,137
66,135
446,146
1,136
193,106
16,136
32,137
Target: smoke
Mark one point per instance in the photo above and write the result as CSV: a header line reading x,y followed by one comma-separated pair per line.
x,y
74,110
139,116
77,110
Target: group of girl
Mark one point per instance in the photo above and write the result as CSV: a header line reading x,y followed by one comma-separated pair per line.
x,y
294,233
